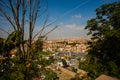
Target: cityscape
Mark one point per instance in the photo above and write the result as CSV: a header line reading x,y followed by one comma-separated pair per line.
x,y
66,45
59,39
70,51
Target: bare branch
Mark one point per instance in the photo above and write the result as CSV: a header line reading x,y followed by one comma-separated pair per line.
x,y
45,25
44,10
51,30
15,14
35,13
4,4
8,18
4,31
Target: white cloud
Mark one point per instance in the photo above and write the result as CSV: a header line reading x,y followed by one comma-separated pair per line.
x,y
77,16
74,27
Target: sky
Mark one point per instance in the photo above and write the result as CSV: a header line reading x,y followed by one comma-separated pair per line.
x,y
70,16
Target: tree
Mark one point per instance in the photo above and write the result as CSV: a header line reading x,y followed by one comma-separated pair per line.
x,y
51,76
10,67
64,62
22,15
104,52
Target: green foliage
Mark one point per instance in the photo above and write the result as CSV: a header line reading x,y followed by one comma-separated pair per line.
x,y
74,69
65,42
64,63
12,69
10,43
51,76
104,52
94,69
44,53
45,62
9,68
15,68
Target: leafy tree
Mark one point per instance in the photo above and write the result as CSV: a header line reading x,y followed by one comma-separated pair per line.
x,y
64,63
10,67
51,76
104,52
44,62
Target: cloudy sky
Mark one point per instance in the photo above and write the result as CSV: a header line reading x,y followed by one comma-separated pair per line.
x,y
69,15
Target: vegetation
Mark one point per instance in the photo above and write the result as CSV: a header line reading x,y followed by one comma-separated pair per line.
x,y
104,52
74,69
51,76
11,67
65,42
44,53
46,62
64,63
22,15
103,55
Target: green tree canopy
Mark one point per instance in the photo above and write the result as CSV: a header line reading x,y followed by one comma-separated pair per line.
x,y
104,49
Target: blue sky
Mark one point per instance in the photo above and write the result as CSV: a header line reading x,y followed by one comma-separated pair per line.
x,y
71,16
